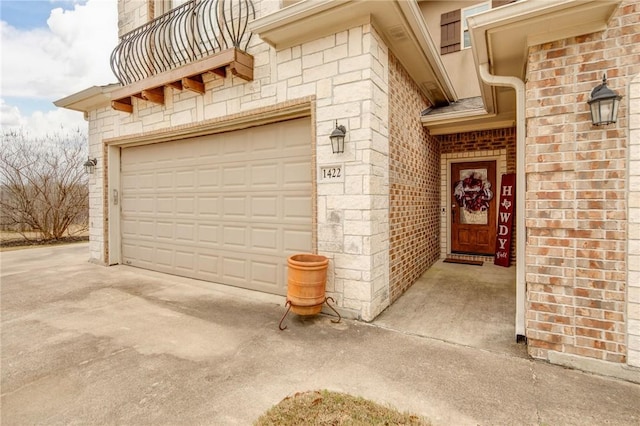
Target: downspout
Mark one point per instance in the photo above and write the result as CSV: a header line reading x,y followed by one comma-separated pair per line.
x,y
518,86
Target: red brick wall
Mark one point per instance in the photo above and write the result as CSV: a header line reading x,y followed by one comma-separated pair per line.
x,y
576,193
483,140
414,182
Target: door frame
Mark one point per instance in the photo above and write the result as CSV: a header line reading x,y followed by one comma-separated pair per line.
x,y
501,168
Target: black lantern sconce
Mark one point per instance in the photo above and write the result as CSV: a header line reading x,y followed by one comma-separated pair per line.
x,y
337,138
90,165
604,104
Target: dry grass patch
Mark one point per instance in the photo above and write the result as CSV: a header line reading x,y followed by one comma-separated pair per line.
x,y
333,408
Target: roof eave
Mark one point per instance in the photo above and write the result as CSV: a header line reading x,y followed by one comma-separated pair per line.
x,y
536,22
88,99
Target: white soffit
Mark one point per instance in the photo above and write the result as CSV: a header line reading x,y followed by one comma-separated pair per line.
x,y
510,30
399,22
88,99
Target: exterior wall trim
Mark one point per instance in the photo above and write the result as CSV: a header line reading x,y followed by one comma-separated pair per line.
x,y
633,235
297,108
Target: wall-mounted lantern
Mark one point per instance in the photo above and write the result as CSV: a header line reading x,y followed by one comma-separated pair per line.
x,y
604,104
337,138
90,165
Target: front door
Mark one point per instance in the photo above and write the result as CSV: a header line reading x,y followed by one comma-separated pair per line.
x,y
473,209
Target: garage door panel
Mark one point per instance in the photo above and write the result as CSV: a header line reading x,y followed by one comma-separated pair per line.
x,y
164,181
265,273
208,206
207,266
296,240
234,176
234,237
265,239
227,208
234,207
297,208
185,179
165,230
208,234
296,174
164,257
185,205
234,269
184,261
265,207
209,178
185,232
265,175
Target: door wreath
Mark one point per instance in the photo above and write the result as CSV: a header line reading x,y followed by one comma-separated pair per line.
x,y
473,193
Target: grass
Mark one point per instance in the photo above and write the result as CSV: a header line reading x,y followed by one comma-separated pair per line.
x,y
333,408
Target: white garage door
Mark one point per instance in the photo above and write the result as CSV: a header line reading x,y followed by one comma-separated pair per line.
x,y
227,208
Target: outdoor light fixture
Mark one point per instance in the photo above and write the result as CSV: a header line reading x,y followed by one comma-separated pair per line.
x,y
337,138
90,165
604,104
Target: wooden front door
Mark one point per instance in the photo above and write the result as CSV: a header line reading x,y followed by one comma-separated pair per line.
x,y
473,209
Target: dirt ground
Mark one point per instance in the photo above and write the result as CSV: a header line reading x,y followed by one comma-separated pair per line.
x,y
15,241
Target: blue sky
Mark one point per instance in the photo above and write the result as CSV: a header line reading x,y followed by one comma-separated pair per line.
x,y
52,49
27,14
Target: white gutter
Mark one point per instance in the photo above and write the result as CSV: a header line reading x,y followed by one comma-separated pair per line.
x,y
518,86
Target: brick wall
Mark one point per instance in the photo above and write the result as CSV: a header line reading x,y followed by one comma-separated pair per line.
x,y
484,140
576,214
414,182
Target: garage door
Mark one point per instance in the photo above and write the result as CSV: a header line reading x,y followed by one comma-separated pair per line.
x,y
226,208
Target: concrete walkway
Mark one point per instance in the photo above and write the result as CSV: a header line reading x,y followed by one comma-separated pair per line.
x,y
85,344
469,305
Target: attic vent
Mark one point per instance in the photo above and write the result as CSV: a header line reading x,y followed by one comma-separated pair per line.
x,y
398,33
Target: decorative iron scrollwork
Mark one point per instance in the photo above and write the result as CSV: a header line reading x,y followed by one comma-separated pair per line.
x,y
187,33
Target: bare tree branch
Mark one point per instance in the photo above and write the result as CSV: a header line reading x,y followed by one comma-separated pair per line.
x,y
44,187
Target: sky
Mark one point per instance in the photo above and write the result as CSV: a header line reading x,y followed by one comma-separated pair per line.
x,y
51,49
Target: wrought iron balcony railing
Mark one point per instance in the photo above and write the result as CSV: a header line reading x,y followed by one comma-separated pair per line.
x,y
178,48
190,32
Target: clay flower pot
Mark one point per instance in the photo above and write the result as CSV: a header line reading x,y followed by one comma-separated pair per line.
x,y
306,283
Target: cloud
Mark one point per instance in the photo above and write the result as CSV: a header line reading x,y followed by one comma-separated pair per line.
x,y
68,55
41,123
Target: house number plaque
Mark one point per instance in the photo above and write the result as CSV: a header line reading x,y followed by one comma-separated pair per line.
x,y
333,173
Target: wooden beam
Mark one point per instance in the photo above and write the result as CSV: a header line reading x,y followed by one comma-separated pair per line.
x,y
186,77
212,62
241,70
124,105
222,71
155,95
194,84
176,85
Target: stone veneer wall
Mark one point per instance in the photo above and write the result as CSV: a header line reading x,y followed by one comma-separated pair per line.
x,y
577,191
345,77
414,182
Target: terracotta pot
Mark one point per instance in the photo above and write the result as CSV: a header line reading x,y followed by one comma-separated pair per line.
x,y
306,283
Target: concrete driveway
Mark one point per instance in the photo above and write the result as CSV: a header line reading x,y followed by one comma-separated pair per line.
x,y
85,344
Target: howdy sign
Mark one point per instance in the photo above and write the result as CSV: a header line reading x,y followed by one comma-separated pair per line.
x,y
505,220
